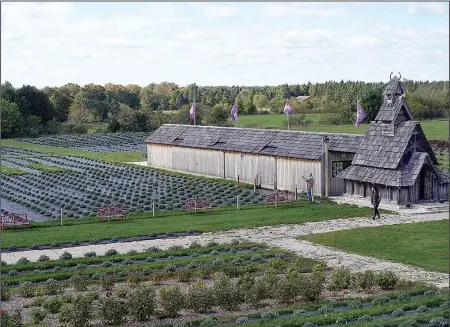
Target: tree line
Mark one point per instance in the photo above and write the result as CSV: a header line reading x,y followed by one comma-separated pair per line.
x,y
29,111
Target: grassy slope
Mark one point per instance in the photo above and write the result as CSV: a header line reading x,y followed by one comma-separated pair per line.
x,y
46,168
420,244
12,171
107,156
433,129
144,224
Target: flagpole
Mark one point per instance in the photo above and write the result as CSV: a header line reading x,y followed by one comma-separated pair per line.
x,y
288,120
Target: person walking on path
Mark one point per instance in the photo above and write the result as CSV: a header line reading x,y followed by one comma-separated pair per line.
x,y
309,186
375,199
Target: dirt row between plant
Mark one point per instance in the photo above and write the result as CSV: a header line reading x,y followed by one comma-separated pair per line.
x,y
284,237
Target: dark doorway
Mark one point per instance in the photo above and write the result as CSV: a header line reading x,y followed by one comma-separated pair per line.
x,y
422,185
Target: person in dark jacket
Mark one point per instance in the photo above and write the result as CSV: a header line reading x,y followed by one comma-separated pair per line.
x,y
375,199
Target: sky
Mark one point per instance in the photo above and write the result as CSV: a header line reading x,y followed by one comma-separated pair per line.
x,y
246,44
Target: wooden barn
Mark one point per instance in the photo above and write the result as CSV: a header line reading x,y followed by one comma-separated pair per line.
x,y
272,157
396,156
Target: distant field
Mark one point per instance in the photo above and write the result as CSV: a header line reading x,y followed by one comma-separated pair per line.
x,y
421,244
433,129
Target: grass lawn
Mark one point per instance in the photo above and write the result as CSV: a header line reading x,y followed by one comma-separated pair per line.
x,y
11,171
106,156
419,244
433,129
45,168
177,221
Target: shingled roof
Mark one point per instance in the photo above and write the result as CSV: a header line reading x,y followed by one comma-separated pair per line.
x,y
292,144
384,151
393,93
405,176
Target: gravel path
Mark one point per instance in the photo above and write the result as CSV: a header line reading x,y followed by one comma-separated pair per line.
x,y
282,236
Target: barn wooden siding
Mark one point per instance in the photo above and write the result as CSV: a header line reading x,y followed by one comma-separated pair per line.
x,y
286,172
290,172
207,162
337,185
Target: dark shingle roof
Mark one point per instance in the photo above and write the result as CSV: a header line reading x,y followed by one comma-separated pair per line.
x,y
384,151
293,144
406,175
389,113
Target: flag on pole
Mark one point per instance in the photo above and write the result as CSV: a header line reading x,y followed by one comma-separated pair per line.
x,y
192,112
234,112
288,109
360,115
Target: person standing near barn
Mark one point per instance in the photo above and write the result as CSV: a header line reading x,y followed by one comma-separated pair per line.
x,y
309,186
375,199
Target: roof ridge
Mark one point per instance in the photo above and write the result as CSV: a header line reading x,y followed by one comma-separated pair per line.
x,y
265,130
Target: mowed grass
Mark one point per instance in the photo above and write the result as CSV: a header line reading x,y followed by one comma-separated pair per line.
x,y
11,171
420,244
177,221
433,129
57,151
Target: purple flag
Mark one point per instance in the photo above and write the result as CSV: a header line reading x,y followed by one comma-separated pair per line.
x,y
288,109
234,112
192,111
360,115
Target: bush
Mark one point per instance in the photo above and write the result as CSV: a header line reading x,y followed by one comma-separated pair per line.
x,y
171,267
210,244
142,302
430,293
55,244
386,279
27,289
195,245
77,313
107,264
90,254
404,297
242,320
106,281
422,308
22,261
438,321
171,300
298,313
365,280
226,295
355,304
311,286
208,322
365,318
122,292
341,321
4,293
325,309
52,305
12,272
287,290
66,256
380,300
12,247
340,279
43,257
309,324
112,311
111,252
134,277
78,282
127,262
199,298
409,323
38,315
398,313
269,315
50,287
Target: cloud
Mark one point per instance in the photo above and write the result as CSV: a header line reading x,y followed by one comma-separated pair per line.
x,y
427,8
218,11
120,42
317,10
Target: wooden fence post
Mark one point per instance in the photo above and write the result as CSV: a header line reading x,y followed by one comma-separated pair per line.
x,y
61,216
296,193
237,202
153,209
238,181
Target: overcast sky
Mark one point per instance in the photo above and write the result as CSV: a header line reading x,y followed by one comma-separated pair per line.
x,y
51,44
